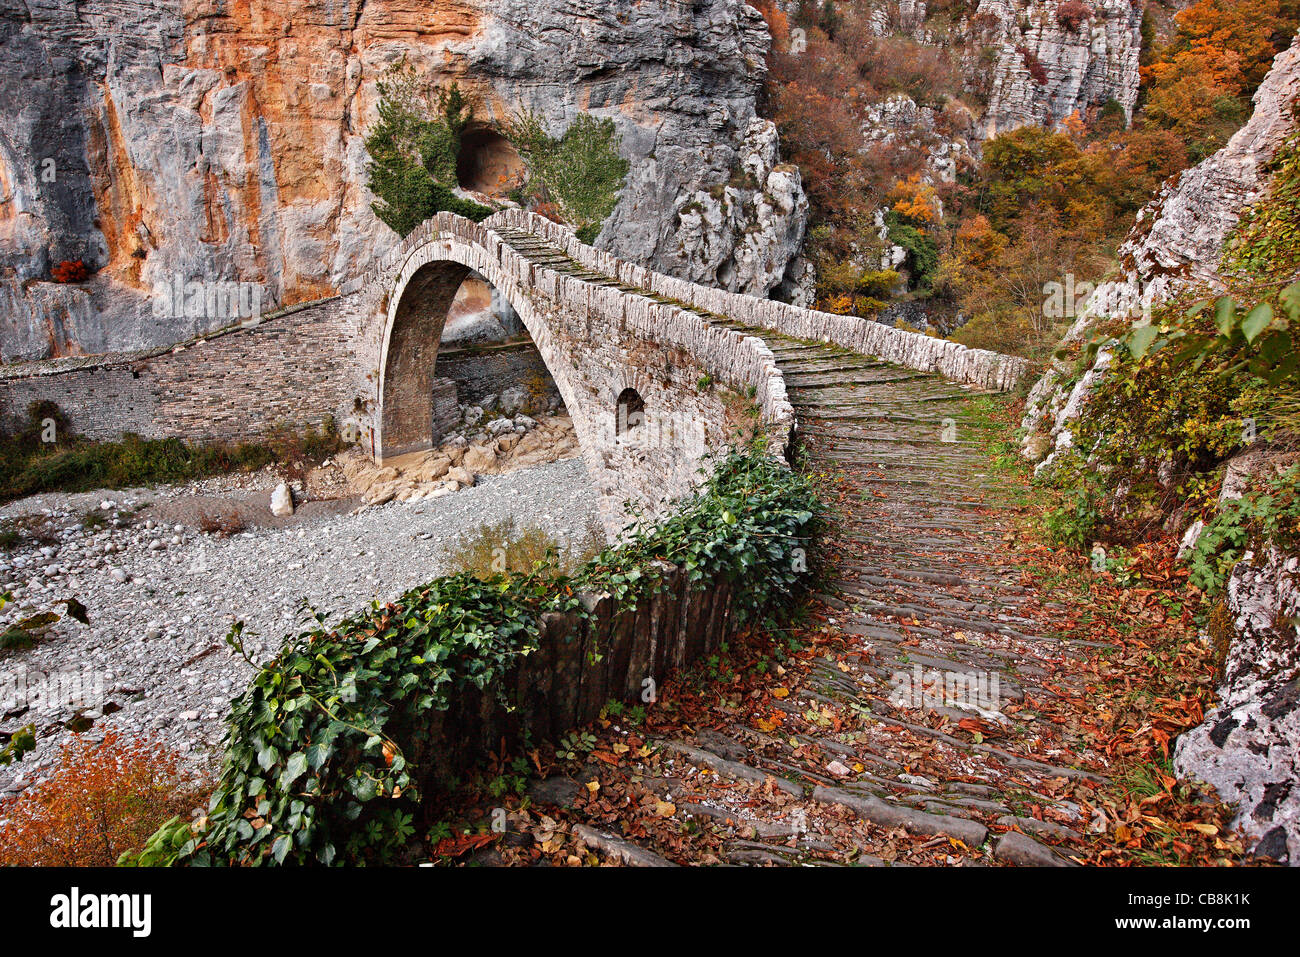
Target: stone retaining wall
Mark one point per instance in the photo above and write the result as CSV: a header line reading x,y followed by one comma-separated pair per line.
x,y
584,662
291,369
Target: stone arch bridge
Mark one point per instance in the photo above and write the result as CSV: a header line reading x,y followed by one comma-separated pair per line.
x,y
693,357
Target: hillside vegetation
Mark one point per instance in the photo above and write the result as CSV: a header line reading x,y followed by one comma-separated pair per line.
x,y
1039,204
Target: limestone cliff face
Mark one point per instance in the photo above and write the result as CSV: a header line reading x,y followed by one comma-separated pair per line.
x,y
1176,242
1031,61
1247,746
1050,65
223,140
740,236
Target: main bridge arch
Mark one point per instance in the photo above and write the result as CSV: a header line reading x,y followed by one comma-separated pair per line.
x,y
414,316
600,343
417,317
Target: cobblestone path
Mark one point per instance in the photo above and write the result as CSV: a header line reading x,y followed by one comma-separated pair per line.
x,y
910,731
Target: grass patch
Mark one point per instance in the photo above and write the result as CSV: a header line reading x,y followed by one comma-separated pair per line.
x,y
29,465
506,548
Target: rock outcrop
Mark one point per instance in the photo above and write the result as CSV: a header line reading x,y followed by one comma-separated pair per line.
x,y
158,140
1031,61
1247,746
742,236
1050,64
1176,243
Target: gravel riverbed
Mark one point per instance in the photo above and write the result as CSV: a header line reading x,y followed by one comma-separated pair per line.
x,y
161,595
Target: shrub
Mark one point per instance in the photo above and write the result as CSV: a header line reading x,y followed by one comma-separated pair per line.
x,y
743,526
1034,65
1271,514
101,801
850,289
581,173
1184,393
17,744
504,548
1075,521
413,150
922,253
70,271
1231,341
1072,14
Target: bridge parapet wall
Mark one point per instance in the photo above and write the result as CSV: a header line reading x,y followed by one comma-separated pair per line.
x,y
980,367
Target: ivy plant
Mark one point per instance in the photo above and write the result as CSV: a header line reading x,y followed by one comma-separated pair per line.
x,y
1270,514
329,751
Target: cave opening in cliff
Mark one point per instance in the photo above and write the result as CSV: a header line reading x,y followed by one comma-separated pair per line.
x,y
488,163
463,369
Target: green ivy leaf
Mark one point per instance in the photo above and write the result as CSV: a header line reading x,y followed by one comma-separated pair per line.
x,y
1256,320
1289,299
294,769
281,848
1225,315
1140,339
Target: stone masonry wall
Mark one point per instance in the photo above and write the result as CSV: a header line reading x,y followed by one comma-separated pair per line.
x,y
99,403
582,663
990,370
479,373
291,369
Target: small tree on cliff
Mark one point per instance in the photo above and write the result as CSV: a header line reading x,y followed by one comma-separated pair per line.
x,y
581,173
413,150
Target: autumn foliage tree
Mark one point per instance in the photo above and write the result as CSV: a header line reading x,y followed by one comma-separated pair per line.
x,y
101,800
1047,204
819,92
1199,84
